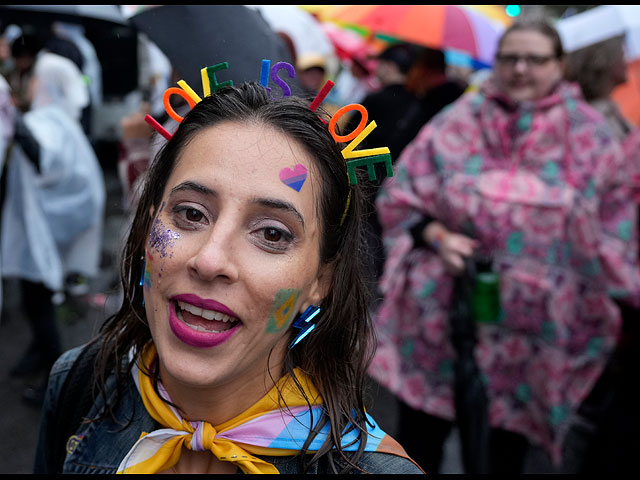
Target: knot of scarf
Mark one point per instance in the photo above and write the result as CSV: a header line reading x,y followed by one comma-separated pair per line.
x,y
258,430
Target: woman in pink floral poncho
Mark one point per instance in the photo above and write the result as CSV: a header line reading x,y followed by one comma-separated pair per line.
x,y
537,177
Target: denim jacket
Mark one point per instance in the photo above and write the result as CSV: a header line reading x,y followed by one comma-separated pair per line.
x,y
99,447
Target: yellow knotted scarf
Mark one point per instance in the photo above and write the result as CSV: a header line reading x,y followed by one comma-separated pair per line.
x,y
161,450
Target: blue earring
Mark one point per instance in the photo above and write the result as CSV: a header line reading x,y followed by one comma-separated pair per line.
x,y
305,323
144,266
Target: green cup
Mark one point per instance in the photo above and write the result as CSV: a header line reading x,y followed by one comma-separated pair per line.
x,y
485,301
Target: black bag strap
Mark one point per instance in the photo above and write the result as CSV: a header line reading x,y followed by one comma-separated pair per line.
x,y
74,401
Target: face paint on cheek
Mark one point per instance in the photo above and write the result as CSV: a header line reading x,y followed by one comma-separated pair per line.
x,y
282,310
162,239
147,269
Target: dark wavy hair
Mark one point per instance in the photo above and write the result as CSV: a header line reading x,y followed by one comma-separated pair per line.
x,y
337,354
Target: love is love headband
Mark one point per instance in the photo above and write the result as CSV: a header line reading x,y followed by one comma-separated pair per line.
x,y
354,158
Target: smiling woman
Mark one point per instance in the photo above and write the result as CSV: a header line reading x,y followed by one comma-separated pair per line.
x,y
238,248
244,335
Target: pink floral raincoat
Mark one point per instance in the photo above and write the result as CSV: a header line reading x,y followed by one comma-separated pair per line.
x,y
543,187
631,147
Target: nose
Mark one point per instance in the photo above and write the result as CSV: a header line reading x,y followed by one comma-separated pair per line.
x,y
215,256
521,65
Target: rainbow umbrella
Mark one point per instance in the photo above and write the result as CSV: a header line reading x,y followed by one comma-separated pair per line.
x,y
321,12
494,12
347,43
437,26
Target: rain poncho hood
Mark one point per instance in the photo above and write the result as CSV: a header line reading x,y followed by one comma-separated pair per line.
x,y
52,218
58,81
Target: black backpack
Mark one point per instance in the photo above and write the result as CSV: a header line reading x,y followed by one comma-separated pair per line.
x,y
74,402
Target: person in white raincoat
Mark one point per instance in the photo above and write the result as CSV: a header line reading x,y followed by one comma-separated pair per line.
x,y
53,213
7,115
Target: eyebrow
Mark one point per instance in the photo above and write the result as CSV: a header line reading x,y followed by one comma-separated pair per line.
x,y
279,205
193,186
263,201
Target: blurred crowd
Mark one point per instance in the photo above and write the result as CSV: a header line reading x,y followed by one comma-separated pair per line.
x,y
513,209
53,193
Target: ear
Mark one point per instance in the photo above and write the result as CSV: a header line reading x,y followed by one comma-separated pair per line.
x,y
563,66
320,287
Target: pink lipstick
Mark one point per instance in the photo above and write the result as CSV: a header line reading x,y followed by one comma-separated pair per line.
x,y
196,301
198,337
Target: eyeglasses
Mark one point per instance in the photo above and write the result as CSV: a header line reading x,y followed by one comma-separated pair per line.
x,y
512,60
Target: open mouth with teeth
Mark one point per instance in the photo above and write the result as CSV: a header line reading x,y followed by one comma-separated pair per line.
x,y
200,327
203,320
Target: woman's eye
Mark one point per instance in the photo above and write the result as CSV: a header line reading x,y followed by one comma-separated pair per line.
x,y
273,239
193,215
272,234
188,217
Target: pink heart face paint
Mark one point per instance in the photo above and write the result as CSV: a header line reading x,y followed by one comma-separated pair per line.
x,y
295,177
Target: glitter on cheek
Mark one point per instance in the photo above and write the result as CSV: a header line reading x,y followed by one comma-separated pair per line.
x,y
162,239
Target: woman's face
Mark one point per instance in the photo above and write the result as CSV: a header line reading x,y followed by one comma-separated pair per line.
x,y
526,66
233,256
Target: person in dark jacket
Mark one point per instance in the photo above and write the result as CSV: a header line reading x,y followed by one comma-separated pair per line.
x,y
389,107
428,80
415,88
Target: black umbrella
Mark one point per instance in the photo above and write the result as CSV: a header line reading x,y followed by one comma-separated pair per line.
x,y
471,401
73,13
114,39
198,36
